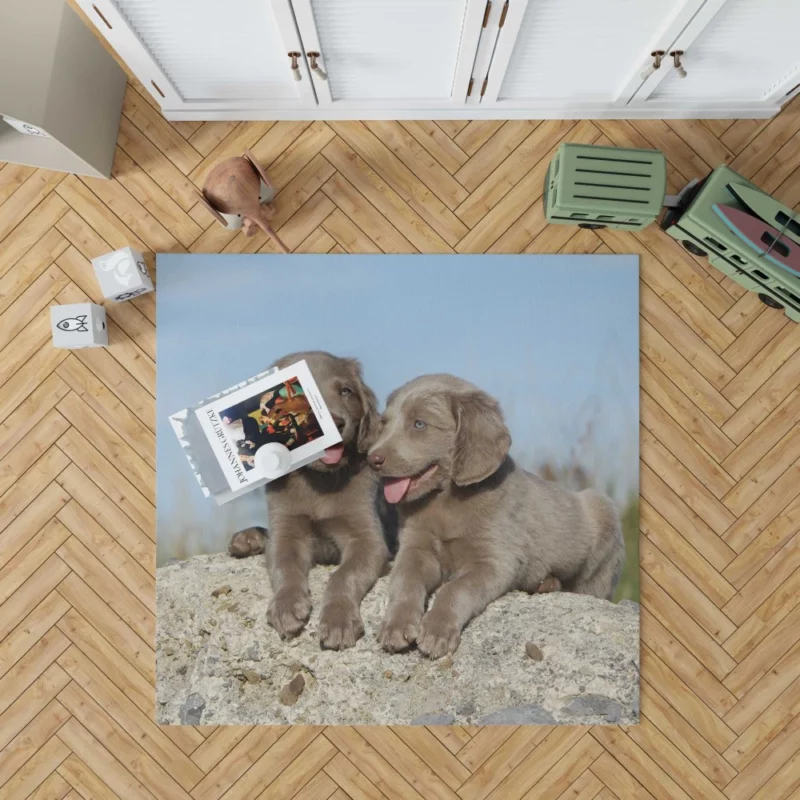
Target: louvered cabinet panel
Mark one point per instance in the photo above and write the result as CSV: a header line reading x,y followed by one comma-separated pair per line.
x,y
210,49
207,52
580,50
437,59
746,52
391,52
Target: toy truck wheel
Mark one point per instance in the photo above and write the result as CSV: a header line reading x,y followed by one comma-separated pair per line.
x,y
592,226
693,248
769,301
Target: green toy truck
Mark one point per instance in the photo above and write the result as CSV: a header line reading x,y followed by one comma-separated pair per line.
x,y
703,233
605,187
609,187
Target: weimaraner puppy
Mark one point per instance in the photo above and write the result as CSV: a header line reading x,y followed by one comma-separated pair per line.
x,y
474,524
325,513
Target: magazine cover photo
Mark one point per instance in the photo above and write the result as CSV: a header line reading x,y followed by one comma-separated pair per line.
x,y
283,410
454,538
281,414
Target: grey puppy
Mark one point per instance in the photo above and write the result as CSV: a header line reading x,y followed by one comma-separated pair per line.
x,y
326,512
472,521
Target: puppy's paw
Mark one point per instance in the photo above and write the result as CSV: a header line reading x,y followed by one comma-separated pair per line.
x,y
340,625
399,630
549,584
289,611
249,542
439,635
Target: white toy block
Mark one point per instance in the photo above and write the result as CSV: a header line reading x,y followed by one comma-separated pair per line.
x,y
122,274
78,325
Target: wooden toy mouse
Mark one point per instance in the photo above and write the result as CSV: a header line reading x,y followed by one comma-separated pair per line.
x,y
237,193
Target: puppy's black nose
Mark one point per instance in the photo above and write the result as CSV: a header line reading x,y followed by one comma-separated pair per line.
x,y
338,421
376,460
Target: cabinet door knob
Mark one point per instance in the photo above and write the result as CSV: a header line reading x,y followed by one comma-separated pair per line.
x,y
657,56
294,66
676,60
315,68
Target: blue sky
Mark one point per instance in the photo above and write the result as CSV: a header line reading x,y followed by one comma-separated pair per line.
x,y
554,338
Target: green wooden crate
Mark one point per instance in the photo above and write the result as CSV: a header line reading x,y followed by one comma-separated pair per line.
x,y
695,224
605,187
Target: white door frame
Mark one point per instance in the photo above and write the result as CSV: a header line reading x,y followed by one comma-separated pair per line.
x,y
659,40
487,45
131,49
704,110
468,44
502,51
115,28
287,27
786,88
682,41
664,39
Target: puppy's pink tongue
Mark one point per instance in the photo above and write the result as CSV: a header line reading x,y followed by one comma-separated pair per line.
x,y
394,489
333,455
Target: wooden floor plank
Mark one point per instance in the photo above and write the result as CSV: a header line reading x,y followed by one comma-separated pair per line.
x,y
692,634
139,725
31,666
681,735
31,266
31,738
86,748
26,198
510,171
247,752
352,783
685,593
130,608
126,641
437,143
402,180
12,176
37,771
147,192
690,671
376,227
683,555
160,132
31,629
31,702
720,468
120,744
759,620
31,593
426,168
385,199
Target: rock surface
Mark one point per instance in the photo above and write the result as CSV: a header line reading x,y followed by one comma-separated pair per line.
x,y
219,663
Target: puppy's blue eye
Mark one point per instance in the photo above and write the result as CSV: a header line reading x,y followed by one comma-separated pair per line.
x,y
345,390
420,425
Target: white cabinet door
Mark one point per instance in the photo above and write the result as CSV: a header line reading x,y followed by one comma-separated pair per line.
x,y
562,54
208,55
390,54
735,52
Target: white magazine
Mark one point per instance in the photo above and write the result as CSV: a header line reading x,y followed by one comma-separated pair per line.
x,y
222,435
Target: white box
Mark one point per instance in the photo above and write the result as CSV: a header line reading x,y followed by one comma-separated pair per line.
x,y
78,325
122,274
25,127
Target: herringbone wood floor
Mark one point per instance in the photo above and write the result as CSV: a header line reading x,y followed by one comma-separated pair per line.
x,y
720,508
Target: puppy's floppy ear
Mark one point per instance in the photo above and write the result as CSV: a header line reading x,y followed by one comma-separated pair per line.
x,y
482,438
368,425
